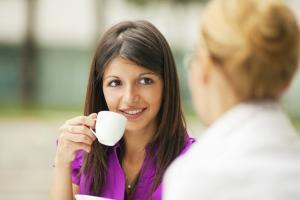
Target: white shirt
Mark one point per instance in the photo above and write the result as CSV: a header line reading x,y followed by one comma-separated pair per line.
x,y
251,153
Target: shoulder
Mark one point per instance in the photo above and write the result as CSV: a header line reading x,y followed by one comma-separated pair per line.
x,y
188,141
189,178
179,179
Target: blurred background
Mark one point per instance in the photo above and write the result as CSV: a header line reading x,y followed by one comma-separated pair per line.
x,y
46,48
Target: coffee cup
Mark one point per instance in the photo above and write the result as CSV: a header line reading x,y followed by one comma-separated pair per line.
x,y
110,127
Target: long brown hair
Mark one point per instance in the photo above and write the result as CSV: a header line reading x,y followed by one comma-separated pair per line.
x,y
143,44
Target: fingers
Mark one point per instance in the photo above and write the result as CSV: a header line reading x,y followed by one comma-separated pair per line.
x,y
76,131
71,142
79,130
68,147
83,120
78,138
93,115
75,134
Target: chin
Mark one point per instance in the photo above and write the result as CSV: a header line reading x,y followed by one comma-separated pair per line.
x,y
133,127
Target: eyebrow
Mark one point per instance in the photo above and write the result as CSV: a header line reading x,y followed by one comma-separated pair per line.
x,y
147,73
142,74
110,77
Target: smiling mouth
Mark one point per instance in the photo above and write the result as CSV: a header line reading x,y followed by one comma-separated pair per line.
x,y
132,114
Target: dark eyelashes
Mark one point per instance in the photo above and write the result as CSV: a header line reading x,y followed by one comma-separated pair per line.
x,y
147,81
114,83
142,81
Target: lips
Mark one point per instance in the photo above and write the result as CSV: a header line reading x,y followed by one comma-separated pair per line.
x,y
133,113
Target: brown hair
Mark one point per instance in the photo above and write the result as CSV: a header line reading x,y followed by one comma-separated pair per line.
x,y
254,42
141,43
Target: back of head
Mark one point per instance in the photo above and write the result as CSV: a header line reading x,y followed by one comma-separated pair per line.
x,y
254,42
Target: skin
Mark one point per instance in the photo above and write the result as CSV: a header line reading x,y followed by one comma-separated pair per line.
x,y
129,89
74,135
211,93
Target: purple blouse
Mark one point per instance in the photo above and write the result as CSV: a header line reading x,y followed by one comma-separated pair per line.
x,y
115,185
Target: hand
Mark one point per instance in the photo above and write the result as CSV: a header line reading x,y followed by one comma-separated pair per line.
x,y
74,134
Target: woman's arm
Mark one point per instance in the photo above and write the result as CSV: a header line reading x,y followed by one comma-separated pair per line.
x,y
62,183
74,135
75,189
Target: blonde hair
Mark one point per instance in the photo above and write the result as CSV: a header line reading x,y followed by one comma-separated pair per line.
x,y
255,43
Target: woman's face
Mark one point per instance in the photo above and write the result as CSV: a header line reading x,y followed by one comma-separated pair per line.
x,y
133,91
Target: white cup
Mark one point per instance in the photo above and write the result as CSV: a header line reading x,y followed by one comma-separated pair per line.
x,y
110,127
88,197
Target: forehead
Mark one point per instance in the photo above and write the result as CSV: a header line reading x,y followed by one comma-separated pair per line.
x,y
122,67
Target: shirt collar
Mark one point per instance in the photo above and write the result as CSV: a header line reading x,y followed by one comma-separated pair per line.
x,y
237,116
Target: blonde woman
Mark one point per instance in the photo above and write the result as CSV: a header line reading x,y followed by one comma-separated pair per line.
x,y
248,54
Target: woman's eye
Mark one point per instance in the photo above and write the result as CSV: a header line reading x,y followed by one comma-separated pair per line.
x,y
114,83
146,81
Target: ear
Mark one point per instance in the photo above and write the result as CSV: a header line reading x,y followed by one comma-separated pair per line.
x,y
285,87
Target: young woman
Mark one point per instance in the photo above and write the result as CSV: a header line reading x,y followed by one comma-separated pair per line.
x,y
247,58
133,73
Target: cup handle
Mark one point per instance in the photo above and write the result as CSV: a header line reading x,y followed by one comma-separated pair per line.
x,y
93,131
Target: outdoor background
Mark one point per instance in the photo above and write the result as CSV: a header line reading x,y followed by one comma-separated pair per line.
x,y
46,47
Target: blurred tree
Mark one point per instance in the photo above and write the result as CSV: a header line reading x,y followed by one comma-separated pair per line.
x,y
29,70
144,2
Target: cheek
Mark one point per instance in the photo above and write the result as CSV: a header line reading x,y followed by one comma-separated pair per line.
x,y
198,93
156,101
153,97
111,98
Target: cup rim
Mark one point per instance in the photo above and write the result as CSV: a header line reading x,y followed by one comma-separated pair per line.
x,y
113,113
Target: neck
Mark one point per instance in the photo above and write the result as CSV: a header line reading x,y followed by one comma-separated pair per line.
x,y
136,142
224,105
222,99
135,151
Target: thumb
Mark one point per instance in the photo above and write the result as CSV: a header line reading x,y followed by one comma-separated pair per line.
x,y
93,116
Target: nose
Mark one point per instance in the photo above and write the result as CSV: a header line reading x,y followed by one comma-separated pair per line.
x,y
131,95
